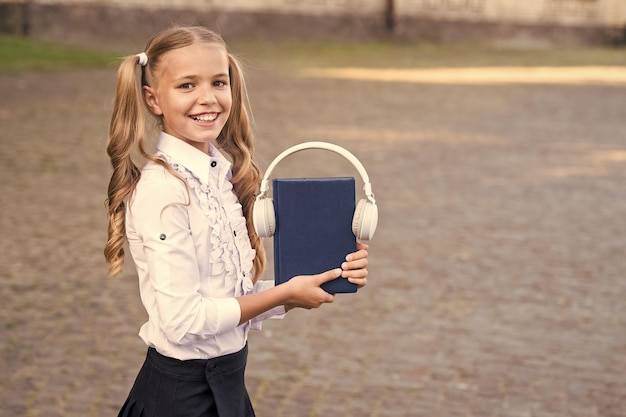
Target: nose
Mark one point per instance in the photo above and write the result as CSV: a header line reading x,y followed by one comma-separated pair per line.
x,y
206,95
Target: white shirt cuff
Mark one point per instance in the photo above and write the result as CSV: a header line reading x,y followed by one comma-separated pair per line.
x,y
229,312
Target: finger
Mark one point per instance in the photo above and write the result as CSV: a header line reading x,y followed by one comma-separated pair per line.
x,y
355,273
360,282
361,245
324,297
358,264
357,255
327,276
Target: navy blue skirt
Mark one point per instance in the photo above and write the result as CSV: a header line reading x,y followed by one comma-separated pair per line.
x,y
167,387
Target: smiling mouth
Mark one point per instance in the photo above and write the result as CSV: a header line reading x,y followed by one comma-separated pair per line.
x,y
208,117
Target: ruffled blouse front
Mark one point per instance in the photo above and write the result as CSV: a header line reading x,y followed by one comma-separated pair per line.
x,y
231,253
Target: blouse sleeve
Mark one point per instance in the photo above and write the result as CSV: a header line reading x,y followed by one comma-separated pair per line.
x,y
159,210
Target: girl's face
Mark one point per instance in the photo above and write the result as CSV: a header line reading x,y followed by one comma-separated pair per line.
x,y
191,93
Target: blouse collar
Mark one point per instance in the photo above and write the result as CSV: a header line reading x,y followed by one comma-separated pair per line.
x,y
193,159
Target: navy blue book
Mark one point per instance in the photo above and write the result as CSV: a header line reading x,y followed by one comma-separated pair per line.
x,y
313,228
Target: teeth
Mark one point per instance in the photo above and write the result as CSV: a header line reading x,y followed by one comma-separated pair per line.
x,y
206,117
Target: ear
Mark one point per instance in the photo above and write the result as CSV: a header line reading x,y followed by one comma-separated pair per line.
x,y
151,100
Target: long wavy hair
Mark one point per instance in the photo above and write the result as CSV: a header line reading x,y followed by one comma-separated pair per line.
x,y
127,134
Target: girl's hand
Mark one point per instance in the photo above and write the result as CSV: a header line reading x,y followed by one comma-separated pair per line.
x,y
355,267
305,290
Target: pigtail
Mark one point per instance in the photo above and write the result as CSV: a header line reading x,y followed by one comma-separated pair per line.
x,y
126,129
237,140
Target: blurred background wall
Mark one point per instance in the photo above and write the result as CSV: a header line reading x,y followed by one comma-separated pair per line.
x,y
530,21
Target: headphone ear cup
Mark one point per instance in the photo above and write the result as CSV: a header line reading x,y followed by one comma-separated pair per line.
x,y
263,217
365,220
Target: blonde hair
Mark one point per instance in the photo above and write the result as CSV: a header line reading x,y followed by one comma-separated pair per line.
x,y
127,131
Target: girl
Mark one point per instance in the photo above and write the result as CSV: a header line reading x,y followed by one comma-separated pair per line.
x,y
187,218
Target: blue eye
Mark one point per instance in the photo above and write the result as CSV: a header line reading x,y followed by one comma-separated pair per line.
x,y
186,86
220,83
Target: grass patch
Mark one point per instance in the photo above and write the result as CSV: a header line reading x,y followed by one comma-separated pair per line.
x,y
20,54
420,55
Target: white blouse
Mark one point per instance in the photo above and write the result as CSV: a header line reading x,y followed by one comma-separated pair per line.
x,y
191,249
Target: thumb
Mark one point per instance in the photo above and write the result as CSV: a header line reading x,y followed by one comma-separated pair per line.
x,y
328,276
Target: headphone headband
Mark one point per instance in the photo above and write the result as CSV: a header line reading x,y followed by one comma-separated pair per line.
x,y
364,220
319,145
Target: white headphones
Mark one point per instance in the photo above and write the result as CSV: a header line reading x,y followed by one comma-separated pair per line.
x,y
365,217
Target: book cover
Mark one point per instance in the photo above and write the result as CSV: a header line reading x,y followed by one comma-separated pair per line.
x,y
313,228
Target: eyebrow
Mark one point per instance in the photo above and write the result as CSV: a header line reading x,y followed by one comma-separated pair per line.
x,y
193,77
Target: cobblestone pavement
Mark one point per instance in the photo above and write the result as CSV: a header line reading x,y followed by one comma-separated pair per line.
x,y
497,274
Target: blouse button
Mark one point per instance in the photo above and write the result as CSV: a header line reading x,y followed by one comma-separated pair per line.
x,y
213,164
235,233
162,237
